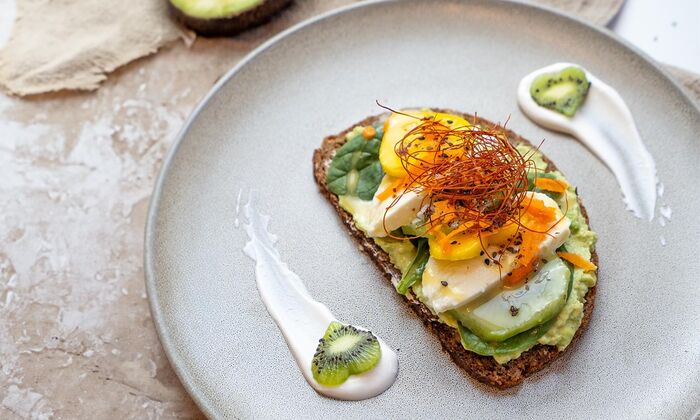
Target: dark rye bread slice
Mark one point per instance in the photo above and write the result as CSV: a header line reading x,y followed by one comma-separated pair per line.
x,y
482,368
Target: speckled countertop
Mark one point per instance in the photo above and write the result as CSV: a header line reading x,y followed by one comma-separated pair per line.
x,y
76,173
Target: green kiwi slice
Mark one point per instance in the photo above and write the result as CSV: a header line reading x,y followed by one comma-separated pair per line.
x,y
343,351
562,91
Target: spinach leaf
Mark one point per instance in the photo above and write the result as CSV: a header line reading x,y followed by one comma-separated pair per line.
x,y
369,180
520,342
415,270
355,168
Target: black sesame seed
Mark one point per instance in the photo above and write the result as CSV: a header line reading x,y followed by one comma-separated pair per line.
x,y
444,283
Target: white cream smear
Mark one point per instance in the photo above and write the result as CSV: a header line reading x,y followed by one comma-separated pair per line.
x,y
604,124
303,320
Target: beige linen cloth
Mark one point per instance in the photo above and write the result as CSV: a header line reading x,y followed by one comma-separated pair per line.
x,y
73,44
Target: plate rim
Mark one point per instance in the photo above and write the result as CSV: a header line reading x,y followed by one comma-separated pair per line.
x,y
149,252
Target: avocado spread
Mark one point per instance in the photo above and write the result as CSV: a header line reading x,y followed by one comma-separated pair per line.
x,y
558,331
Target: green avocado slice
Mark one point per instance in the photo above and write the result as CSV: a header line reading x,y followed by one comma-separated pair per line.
x,y
207,9
513,311
224,17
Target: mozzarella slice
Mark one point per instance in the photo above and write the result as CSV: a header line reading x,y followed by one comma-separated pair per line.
x,y
464,281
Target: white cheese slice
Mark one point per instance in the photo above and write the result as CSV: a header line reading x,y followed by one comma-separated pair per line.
x,y
464,281
369,215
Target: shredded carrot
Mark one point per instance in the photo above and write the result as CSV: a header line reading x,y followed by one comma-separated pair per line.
x,y
577,260
537,219
539,210
554,185
528,259
519,273
391,189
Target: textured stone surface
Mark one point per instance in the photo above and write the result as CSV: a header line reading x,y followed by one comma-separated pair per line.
x,y
76,173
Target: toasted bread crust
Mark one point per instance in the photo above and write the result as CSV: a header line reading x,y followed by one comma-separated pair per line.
x,y
482,368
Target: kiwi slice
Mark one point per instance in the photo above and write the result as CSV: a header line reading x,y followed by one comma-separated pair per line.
x,y
224,17
343,351
562,91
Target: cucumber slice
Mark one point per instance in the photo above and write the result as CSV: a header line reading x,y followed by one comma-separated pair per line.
x,y
520,342
513,311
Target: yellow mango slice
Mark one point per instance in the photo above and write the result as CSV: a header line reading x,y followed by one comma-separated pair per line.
x,y
503,235
462,246
397,126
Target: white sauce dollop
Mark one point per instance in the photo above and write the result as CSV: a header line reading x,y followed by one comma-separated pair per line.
x,y
301,319
604,124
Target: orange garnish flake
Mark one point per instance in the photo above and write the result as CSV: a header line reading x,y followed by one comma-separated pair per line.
x,y
535,220
369,132
577,261
391,189
519,273
538,209
553,185
528,258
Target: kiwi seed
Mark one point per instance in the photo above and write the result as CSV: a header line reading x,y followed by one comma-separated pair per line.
x,y
563,91
343,351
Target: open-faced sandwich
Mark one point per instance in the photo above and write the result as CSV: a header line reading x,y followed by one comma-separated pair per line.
x,y
475,227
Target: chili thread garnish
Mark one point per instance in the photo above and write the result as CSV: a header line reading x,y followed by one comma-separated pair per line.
x,y
473,174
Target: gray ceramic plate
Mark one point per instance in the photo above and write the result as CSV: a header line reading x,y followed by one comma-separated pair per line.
x,y
641,354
